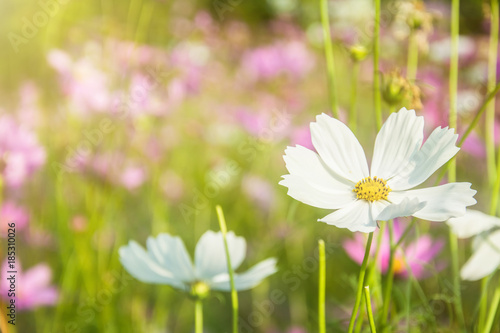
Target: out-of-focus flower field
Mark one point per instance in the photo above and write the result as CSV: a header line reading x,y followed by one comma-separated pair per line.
x,y
121,120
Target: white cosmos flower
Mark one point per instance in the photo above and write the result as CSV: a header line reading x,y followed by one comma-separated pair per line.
x,y
166,261
337,176
486,255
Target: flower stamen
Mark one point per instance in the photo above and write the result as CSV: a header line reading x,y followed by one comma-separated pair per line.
x,y
372,189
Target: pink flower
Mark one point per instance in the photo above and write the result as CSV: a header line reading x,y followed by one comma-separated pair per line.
x,y
32,288
86,85
11,213
290,58
259,191
20,153
418,254
132,177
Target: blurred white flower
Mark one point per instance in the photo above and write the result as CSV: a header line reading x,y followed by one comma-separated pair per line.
x,y
337,176
166,261
486,257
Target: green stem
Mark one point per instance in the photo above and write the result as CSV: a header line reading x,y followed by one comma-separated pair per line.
x,y
376,71
322,279
455,16
354,91
374,273
198,316
493,309
234,293
361,280
390,275
412,64
483,304
369,309
327,39
492,78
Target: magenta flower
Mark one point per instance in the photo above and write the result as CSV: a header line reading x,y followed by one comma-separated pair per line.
x,y
32,288
12,213
20,153
267,62
418,255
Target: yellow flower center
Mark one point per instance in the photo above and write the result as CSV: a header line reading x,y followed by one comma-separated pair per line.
x,y
200,289
399,266
372,189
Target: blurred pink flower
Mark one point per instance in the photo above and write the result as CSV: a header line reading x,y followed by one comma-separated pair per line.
x,y
132,177
33,287
20,153
291,58
418,254
86,85
12,213
302,136
172,185
259,190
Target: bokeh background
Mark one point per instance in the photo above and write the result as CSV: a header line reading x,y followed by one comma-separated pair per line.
x,y
124,119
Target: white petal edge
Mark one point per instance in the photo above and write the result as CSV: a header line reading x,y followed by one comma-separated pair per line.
x,y
138,263
472,223
356,216
248,279
311,182
398,139
485,259
442,202
210,254
169,252
339,148
438,149
406,207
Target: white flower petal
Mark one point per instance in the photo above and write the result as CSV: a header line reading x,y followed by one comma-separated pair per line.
x,y
312,183
339,148
399,138
442,202
210,254
169,252
141,266
472,223
406,207
356,216
248,279
437,150
485,260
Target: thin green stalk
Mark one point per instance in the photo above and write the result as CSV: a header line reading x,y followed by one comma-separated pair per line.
x,y
471,127
234,293
321,286
369,309
330,64
361,280
376,70
354,92
390,275
361,318
198,316
412,64
493,310
492,80
455,16
483,304
496,297
373,279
